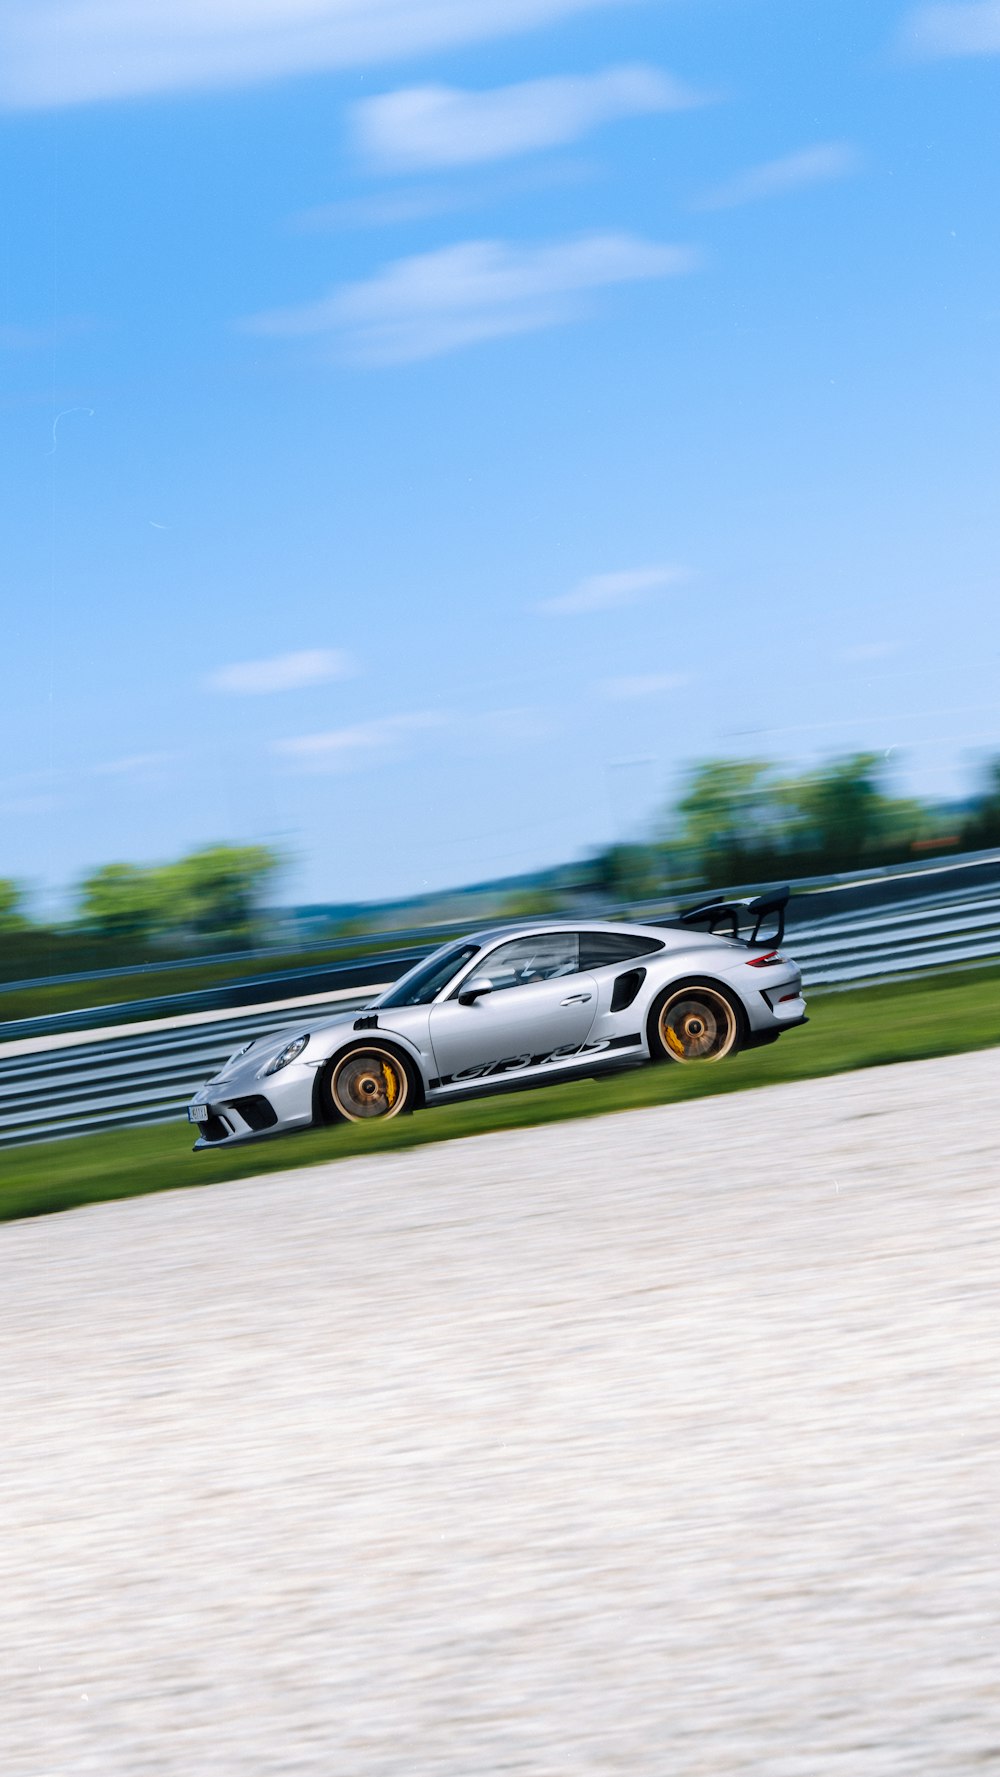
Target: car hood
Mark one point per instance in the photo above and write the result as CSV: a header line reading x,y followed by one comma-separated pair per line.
x,y
316,1026
266,1048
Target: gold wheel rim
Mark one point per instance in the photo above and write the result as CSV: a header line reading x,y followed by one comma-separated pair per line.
x,y
697,1025
369,1084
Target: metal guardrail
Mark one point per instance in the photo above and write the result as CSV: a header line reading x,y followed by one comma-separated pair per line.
x,y
146,1076
51,1087
226,995
926,935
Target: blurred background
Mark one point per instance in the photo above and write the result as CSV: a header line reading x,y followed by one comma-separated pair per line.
x,y
548,447
737,824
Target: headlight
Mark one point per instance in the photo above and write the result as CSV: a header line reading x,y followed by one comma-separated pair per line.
x,y
288,1053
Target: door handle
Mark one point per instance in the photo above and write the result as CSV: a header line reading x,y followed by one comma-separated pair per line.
x,y
577,999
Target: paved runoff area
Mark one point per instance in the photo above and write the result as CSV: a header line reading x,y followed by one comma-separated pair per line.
x,y
661,1445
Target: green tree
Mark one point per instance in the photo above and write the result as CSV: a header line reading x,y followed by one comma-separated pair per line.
x,y
628,872
731,813
214,892
12,916
218,890
842,817
123,901
531,903
982,828
839,812
740,822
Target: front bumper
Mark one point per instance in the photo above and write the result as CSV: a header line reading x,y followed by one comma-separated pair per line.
x,y
243,1108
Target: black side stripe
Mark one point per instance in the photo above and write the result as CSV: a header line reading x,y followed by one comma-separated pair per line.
x,y
517,1063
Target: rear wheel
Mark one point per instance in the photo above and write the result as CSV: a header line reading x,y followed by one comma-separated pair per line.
x,y
369,1082
695,1023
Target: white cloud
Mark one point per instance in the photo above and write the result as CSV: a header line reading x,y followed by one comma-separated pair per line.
x,y
604,592
134,765
419,203
375,743
384,210
284,672
64,52
477,290
443,126
350,749
794,172
644,685
970,29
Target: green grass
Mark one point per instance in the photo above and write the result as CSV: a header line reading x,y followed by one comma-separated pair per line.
x,y
943,1015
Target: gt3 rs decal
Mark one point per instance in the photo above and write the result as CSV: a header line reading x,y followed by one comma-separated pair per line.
x,y
510,1064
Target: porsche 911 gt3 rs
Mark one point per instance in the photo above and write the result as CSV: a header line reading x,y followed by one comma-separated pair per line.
x,y
517,1007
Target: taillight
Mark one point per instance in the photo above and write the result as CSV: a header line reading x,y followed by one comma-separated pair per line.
x,y
764,962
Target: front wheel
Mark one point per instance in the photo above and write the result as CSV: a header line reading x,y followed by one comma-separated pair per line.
x,y
368,1082
695,1023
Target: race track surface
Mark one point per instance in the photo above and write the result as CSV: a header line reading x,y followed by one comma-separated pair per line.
x,y
662,1445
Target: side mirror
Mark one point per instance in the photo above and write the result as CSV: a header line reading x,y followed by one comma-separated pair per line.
x,y
474,989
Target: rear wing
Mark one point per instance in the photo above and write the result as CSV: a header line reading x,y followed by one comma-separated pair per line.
x,y
758,922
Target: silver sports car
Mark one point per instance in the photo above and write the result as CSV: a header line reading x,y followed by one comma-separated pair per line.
x,y
519,1007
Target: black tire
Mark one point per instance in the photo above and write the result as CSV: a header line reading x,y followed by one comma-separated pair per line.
x,y
696,1021
369,1082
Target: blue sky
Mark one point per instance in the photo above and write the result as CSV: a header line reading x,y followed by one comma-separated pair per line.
x,y
428,425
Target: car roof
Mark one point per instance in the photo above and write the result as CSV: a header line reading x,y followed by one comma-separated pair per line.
x,y
540,928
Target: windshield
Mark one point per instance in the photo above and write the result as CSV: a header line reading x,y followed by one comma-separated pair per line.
x,y
421,985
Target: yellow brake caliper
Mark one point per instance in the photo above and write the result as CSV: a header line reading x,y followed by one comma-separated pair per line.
x,y
674,1041
391,1083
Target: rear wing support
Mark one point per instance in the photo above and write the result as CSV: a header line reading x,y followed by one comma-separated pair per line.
x,y
727,919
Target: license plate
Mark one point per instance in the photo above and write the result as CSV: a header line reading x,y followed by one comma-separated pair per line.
x,y
198,1113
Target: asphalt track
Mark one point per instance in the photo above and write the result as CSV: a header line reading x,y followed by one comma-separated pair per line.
x,y
661,1445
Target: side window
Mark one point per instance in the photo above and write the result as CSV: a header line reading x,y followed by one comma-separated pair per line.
x,y
597,949
524,960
